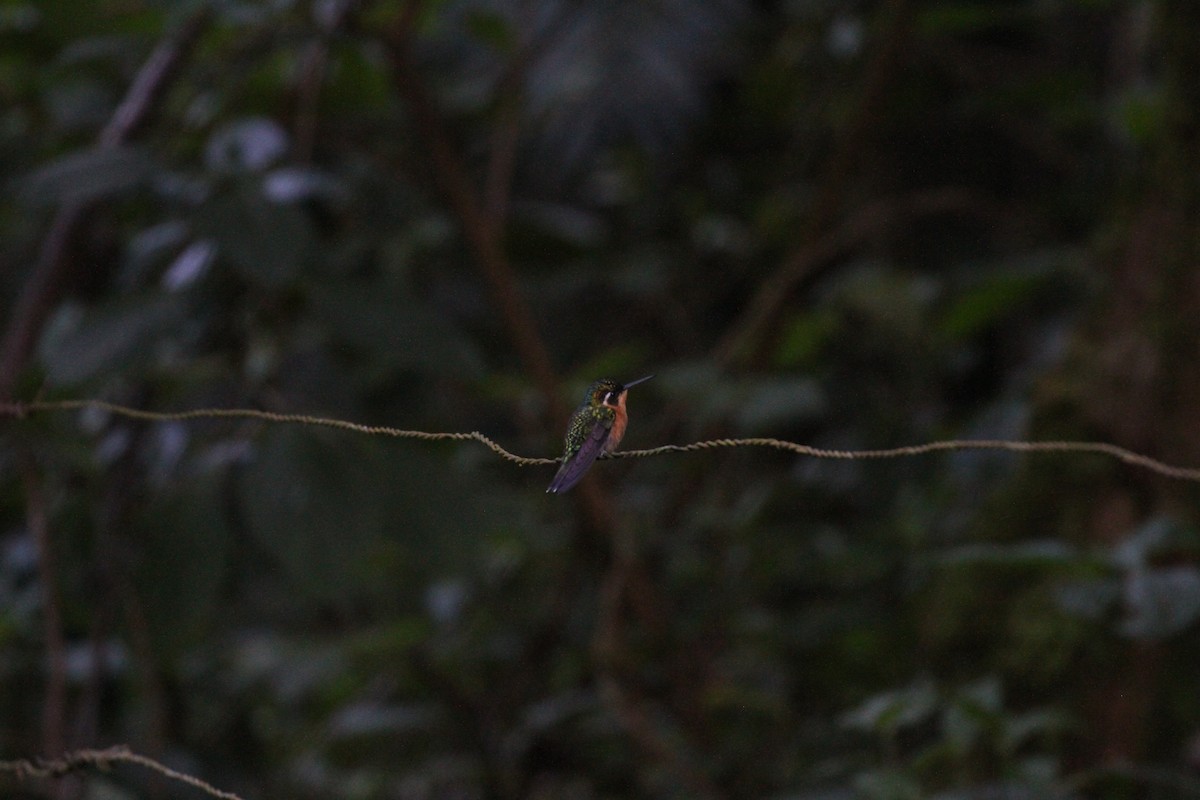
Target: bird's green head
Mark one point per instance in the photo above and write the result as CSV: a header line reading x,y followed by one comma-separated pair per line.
x,y
607,392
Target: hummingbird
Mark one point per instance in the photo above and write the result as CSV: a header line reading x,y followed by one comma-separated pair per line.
x,y
596,428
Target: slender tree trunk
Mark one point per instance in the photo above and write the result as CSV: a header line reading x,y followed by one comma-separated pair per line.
x,y
1135,371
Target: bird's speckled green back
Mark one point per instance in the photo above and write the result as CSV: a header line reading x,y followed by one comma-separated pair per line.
x,y
593,412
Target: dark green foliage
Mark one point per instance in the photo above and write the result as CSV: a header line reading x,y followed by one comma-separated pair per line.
x,y
856,225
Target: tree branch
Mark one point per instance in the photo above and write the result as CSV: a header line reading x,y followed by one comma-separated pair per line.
x,y
623,703
313,68
510,94
54,711
808,261
482,232
484,237
745,336
56,266
480,213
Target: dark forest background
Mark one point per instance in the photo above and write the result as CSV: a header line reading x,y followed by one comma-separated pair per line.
x,y
850,224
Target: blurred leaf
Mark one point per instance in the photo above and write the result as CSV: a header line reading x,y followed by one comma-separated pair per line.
x,y
150,247
87,175
79,106
889,711
267,242
313,503
973,713
803,338
491,28
20,597
357,86
1141,113
615,361
298,184
985,696
721,234
945,19
1151,538
395,329
346,519
17,17
881,305
708,393
1160,602
370,720
189,266
1019,729
584,93
772,403
117,338
95,48
1033,554
961,728
246,145
993,299
888,784
1043,772
577,227
184,564
1088,599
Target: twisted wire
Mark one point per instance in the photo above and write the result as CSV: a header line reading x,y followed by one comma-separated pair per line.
x,y
21,409
1017,446
23,769
1099,448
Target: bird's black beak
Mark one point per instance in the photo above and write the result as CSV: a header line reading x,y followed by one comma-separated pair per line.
x,y
627,386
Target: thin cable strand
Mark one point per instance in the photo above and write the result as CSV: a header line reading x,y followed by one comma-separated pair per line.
x,y
24,769
1100,448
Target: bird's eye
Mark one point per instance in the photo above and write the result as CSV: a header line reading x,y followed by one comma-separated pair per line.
x,y
609,397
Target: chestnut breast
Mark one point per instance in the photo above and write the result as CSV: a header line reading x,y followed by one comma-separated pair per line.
x,y
617,432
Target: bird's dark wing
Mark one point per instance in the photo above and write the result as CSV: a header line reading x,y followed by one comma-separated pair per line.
x,y
573,468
